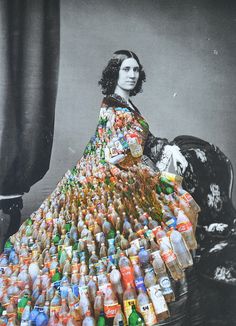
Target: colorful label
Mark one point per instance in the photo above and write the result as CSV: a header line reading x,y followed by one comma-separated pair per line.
x,y
148,314
111,310
55,309
187,197
158,299
128,307
127,275
171,222
134,259
168,256
182,227
139,283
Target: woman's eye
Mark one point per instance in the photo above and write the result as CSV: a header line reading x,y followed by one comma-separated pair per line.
x,y
126,69
136,69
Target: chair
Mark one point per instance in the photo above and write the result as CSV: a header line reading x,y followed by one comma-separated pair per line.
x,y
209,179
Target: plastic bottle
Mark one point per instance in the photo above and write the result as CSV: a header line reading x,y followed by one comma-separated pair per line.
x,y
180,249
135,318
139,277
126,270
115,279
144,257
149,278
163,278
129,299
170,259
145,307
92,289
33,315
88,320
184,226
25,317
110,303
98,304
42,318
158,300
159,233
21,305
119,319
101,319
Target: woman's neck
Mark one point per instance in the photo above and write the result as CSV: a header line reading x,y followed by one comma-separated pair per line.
x,y
123,93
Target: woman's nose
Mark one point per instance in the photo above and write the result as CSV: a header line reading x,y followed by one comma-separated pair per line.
x,y
131,73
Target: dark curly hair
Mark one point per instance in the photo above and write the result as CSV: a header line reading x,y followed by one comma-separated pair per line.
x,y
110,74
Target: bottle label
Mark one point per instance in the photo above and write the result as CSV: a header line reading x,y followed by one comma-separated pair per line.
x,y
55,309
168,256
128,307
187,197
134,259
165,285
182,227
136,244
111,310
171,222
158,299
148,314
139,283
127,275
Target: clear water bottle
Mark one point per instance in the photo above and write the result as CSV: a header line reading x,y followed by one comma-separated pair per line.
x,y
180,249
184,226
170,259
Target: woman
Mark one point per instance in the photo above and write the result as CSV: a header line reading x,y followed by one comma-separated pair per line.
x,y
103,214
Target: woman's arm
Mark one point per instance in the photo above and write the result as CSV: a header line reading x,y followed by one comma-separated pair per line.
x,y
162,152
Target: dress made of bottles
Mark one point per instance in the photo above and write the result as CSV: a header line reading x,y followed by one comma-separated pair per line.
x,y
107,243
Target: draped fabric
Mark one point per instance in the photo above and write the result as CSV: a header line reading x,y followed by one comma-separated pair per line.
x,y
29,60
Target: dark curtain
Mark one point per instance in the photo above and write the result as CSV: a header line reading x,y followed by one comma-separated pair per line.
x,y
29,60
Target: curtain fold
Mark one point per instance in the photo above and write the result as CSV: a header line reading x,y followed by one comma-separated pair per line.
x,y
29,63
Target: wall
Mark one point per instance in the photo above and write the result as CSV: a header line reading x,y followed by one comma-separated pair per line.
x,y
188,49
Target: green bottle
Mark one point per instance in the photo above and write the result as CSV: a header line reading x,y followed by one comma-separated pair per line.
x,y
135,318
67,226
1,309
101,320
21,305
57,276
8,245
56,239
111,234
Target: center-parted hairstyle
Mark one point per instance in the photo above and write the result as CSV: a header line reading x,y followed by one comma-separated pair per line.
x,y
110,74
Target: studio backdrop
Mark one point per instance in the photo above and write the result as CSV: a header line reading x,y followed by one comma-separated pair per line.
x,y
29,59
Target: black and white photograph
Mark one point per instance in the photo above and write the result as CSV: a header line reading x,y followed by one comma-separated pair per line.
x,y
117,161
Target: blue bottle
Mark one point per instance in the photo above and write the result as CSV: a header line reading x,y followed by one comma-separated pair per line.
x,y
42,318
144,257
13,257
33,315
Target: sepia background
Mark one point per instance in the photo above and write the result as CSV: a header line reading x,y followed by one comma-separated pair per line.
x,y
188,50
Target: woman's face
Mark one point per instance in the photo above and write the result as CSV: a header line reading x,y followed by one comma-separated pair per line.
x,y
128,74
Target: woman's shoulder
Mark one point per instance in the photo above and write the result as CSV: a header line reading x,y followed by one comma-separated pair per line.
x,y
113,101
